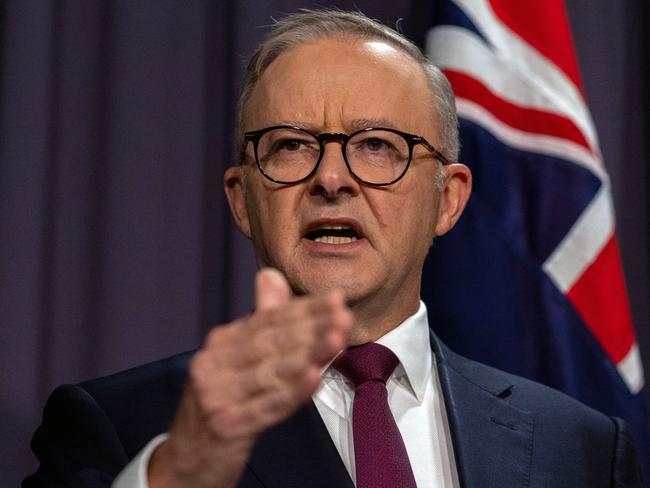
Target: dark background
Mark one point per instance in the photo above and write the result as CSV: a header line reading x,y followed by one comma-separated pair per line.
x,y
116,246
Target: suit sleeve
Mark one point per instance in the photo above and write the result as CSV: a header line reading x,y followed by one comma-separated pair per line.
x,y
76,443
626,471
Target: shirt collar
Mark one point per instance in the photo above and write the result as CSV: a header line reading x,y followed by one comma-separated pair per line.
x,y
410,342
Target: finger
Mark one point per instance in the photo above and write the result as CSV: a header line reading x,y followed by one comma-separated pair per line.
x,y
316,325
263,411
269,336
335,337
271,289
218,382
238,386
280,392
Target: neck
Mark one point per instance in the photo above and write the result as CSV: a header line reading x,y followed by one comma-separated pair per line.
x,y
375,318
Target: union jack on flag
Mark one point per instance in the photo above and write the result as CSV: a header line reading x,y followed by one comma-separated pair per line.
x,y
538,287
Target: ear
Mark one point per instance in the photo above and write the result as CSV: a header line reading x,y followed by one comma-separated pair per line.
x,y
233,185
454,196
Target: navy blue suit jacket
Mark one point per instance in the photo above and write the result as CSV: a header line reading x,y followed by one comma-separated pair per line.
x,y
507,432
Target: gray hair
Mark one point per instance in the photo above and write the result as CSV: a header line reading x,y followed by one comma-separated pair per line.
x,y
310,25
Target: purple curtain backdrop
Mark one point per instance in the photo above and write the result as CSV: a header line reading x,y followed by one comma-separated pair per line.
x,y
116,246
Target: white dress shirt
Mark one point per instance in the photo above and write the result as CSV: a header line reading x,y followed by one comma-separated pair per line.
x,y
415,399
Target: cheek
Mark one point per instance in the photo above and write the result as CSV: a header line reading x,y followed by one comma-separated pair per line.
x,y
427,201
273,218
408,224
418,219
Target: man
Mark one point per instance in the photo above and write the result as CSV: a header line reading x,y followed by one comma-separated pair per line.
x,y
348,138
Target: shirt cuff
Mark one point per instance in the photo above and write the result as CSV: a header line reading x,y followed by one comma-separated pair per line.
x,y
135,473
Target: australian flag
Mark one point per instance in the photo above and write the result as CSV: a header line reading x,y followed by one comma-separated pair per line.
x,y
530,281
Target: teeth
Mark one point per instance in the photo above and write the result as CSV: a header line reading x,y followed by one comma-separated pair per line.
x,y
336,227
335,239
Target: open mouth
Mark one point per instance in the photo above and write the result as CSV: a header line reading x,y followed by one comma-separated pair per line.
x,y
333,234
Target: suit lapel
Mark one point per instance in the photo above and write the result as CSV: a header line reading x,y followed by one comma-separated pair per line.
x,y
297,453
492,439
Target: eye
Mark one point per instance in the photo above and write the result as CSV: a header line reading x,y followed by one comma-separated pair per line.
x,y
289,144
376,144
372,144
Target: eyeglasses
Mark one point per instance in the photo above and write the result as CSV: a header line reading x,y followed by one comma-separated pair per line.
x,y
374,156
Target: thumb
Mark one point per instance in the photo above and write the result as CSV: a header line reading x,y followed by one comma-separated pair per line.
x,y
271,289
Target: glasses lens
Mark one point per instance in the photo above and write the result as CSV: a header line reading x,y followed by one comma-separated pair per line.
x,y
287,155
378,156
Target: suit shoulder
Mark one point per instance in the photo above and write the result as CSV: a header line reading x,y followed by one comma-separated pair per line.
x,y
167,372
584,447
93,429
528,395
141,402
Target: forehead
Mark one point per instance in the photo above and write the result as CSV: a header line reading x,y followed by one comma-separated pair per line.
x,y
334,83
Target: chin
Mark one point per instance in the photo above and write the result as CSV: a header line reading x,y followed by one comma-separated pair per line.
x,y
355,277
314,287
353,289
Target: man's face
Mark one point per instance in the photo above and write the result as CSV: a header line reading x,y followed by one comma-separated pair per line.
x,y
341,86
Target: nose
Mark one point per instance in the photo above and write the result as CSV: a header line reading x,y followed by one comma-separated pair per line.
x,y
332,178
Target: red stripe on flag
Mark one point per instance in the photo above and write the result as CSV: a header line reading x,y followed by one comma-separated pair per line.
x,y
525,119
545,26
600,298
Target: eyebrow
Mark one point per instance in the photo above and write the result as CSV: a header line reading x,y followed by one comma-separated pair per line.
x,y
351,126
358,124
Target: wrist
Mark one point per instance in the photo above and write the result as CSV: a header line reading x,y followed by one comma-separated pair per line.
x,y
174,465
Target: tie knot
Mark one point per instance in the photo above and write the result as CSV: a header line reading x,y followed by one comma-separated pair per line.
x,y
366,362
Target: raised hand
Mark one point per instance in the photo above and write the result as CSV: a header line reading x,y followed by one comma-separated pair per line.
x,y
249,375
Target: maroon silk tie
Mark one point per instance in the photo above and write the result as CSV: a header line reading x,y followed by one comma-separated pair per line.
x,y
380,457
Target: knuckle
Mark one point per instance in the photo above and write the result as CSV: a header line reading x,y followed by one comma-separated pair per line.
x,y
222,334
198,365
260,346
264,377
285,338
214,337
266,318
